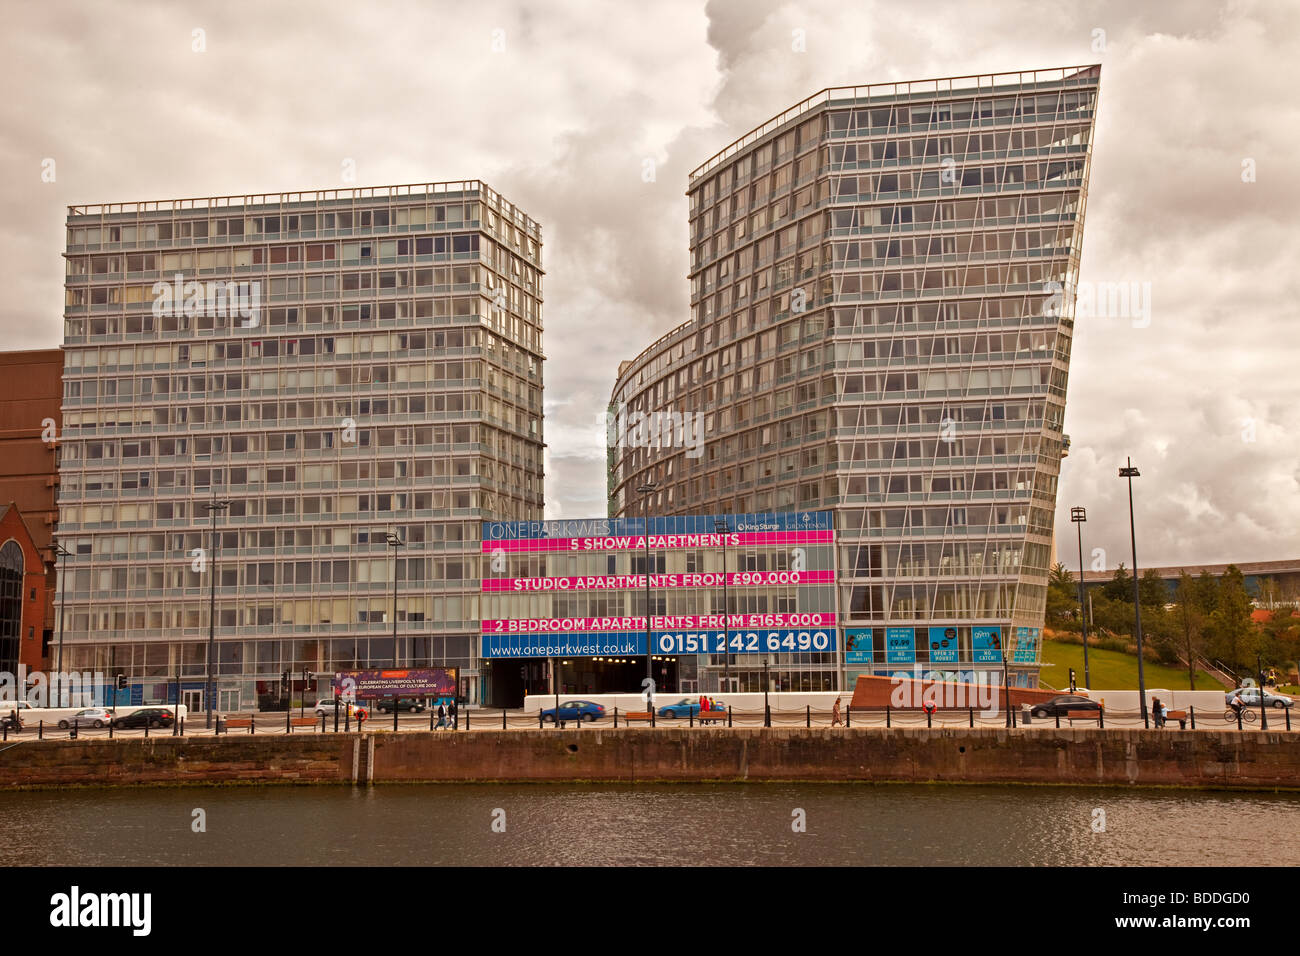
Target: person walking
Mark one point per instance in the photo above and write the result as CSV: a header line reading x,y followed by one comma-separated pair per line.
x,y
1156,712
442,717
835,714
452,715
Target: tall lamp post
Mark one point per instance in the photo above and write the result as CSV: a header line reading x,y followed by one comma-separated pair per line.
x,y
1079,516
1006,678
60,552
213,507
720,526
1129,472
395,542
645,490
767,708
1263,705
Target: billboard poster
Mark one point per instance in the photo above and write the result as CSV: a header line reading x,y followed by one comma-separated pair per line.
x,y
396,682
857,645
943,645
900,645
986,645
1026,651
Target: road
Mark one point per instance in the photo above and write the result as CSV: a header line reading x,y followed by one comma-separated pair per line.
x,y
479,719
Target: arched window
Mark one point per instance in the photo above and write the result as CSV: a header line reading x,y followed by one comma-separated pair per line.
x,y
11,605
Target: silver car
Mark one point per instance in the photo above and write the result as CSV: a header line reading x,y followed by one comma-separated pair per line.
x,y
1250,697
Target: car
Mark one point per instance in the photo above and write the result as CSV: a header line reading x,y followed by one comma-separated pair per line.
x,y
96,717
583,710
146,717
414,704
688,707
1063,704
325,708
1250,697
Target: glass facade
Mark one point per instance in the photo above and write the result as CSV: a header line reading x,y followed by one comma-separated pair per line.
x,y
333,367
878,330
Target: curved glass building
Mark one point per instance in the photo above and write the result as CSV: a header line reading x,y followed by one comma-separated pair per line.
x,y
881,319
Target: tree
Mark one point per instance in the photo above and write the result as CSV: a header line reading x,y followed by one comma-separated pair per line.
x,y
1152,589
1062,599
1120,586
1234,636
1192,618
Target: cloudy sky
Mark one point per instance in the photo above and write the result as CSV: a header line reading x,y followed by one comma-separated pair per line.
x,y
559,105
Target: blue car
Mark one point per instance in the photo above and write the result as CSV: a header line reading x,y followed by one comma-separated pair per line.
x,y
583,710
689,707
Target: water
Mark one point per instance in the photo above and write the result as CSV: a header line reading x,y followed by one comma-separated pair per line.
x,y
602,825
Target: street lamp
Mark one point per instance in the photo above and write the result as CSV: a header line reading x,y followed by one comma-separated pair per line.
x,y
395,542
767,708
720,526
213,507
60,552
645,490
1006,679
1129,472
1263,709
1079,516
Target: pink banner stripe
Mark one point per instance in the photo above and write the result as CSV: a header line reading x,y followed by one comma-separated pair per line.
x,y
659,542
701,622
630,582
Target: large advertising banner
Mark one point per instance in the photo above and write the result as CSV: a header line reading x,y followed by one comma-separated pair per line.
x,y
857,645
625,582
986,645
900,645
943,645
684,622
1026,651
409,682
614,643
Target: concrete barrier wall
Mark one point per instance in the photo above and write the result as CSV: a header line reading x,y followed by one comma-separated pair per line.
x,y
781,701
1201,759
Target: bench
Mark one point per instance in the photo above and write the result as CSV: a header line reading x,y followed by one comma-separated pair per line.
x,y
237,722
632,715
711,715
1178,715
1073,715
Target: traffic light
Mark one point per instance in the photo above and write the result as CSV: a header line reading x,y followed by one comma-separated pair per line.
x,y
121,682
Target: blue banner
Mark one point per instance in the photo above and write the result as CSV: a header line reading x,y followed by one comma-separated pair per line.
x,y
943,645
1026,651
586,644
857,645
986,645
811,640
900,645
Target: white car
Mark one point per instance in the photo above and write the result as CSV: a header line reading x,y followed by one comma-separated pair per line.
x,y
325,708
1250,697
90,717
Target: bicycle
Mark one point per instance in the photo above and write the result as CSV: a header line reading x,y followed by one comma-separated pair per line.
x,y
1247,715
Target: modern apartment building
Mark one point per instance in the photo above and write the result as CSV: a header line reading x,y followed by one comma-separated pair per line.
x,y
881,327
352,376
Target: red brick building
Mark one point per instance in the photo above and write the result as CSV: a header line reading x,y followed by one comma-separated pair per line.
x,y
31,421
25,601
